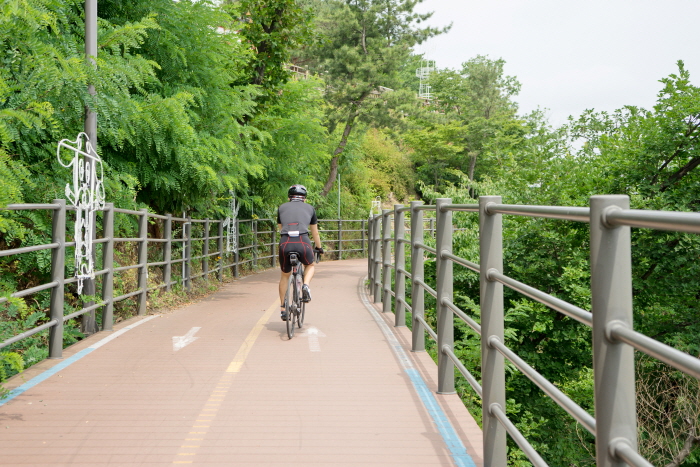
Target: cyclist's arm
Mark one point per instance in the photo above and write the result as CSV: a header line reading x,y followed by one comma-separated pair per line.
x,y
314,233
279,227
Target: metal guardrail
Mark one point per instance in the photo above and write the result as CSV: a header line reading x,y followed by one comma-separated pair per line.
x,y
614,339
257,241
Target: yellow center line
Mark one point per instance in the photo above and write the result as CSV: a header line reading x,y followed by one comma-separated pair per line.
x,y
224,384
245,349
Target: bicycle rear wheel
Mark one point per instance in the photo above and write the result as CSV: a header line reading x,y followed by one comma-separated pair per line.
x,y
290,305
301,305
300,321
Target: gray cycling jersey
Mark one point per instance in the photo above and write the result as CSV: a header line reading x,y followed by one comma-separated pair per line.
x,y
296,217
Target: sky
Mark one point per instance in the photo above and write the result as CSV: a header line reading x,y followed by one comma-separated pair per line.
x,y
572,55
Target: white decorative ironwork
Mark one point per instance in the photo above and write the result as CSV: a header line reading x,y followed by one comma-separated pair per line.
x,y
376,206
230,224
87,195
425,89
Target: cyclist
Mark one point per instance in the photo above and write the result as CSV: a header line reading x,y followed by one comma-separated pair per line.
x,y
294,220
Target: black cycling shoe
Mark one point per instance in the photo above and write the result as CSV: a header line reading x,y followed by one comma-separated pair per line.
x,y
283,315
305,293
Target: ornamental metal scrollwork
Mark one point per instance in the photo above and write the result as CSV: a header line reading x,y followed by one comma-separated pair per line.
x,y
230,224
87,195
376,206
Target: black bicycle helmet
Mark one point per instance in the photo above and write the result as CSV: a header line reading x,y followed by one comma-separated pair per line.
x,y
296,191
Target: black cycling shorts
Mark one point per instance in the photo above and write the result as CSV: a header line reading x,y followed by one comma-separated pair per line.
x,y
300,245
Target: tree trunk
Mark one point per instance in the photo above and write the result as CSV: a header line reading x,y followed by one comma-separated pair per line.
x,y
339,150
472,167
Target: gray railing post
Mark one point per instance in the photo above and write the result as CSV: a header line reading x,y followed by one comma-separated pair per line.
x,y
236,254
254,230
417,272
386,261
187,229
168,252
340,239
205,251
143,261
370,255
220,248
273,248
444,289
492,365
613,362
108,264
362,236
58,270
376,262
399,263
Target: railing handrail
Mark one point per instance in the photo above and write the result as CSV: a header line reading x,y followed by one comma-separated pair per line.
x,y
615,425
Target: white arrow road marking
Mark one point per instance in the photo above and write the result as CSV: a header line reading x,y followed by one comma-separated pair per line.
x,y
313,334
181,341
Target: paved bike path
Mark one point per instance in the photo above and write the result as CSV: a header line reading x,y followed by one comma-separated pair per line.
x,y
219,383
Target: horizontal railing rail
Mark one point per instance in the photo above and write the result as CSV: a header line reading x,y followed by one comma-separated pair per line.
x,y
613,337
194,246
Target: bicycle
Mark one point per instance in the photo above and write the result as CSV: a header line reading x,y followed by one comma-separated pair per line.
x,y
293,305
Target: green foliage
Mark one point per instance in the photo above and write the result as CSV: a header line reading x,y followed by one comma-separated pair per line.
x,y
272,29
10,363
649,155
389,169
295,151
180,130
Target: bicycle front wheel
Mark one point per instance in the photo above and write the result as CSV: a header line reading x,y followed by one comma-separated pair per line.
x,y
289,306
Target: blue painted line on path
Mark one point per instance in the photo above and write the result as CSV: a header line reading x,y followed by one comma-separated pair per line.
x,y
449,435
46,374
68,361
459,453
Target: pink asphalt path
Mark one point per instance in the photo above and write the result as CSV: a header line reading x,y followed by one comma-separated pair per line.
x,y
334,396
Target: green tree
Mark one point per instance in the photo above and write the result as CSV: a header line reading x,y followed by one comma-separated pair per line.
x,y
435,154
181,134
363,45
273,29
480,97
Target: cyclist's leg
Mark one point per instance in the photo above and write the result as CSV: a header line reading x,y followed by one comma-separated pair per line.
x,y
309,273
286,269
308,260
284,281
